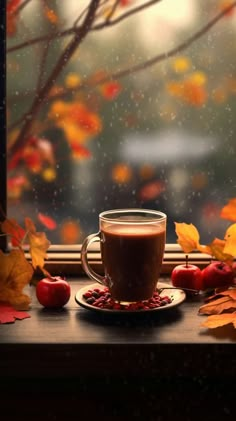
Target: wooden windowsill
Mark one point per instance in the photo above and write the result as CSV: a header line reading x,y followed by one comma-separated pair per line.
x,y
67,260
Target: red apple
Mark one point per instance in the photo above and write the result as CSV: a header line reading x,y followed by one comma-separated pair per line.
x,y
53,292
187,276
217,274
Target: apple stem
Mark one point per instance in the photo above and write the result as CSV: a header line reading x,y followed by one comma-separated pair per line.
x,y
47,274
186,257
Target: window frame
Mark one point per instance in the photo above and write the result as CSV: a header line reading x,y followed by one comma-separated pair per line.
x,y
3,146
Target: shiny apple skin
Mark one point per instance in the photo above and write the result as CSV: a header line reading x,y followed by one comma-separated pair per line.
x,y
53,293
187,276
217,274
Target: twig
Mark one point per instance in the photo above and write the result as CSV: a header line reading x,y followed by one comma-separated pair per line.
x,y
71,31
62,61
144,65
125,15
21,7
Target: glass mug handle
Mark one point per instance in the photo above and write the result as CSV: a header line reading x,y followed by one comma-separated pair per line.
x,y
87,268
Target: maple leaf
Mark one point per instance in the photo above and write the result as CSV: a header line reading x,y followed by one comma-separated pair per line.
x,y
229,210
230,240
9,315
231,292
188,236
38,243
15,273
220,309
217,249
12,228
218,320
218,306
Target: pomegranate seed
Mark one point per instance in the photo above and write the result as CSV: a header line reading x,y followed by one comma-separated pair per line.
x,y
102,298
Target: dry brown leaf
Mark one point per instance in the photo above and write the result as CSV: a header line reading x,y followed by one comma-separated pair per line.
x,y
39,244
15,273
218,306
218,320
230,292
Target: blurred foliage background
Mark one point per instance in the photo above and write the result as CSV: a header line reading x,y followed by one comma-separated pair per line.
x,y
161,138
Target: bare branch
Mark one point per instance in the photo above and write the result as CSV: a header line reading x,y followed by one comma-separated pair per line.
x,y
138,67
125,15
42,66
181,47
142,66
21,7
62,61
71,31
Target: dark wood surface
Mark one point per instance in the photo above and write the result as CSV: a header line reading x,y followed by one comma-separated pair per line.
x,y
75,364
73,335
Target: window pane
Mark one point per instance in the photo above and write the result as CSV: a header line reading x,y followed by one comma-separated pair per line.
x,y
81,141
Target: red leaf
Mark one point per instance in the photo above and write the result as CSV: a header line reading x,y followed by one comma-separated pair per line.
x,y
80,151
47,221
8,314
111,90
12,5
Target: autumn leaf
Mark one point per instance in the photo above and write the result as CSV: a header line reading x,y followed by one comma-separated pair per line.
x,y
218,306
231,292
111,90
188,236
217,249
230,240
12,228
38,242
49,222
15,273
218,320
229,210
8,314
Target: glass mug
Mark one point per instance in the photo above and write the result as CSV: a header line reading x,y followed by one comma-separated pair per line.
x,y
132,245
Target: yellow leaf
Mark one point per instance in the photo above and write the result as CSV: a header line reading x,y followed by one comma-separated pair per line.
x,y
230,240
15,273
181,64
188,236
38,242
229,211
220,320
199,78
217,249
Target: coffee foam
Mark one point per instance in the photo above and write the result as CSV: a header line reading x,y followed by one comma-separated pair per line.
x,y
133,230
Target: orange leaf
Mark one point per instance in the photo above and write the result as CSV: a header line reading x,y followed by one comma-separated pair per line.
x,y
217,249
230,292
220,320
229,210
38,244
15,273
188,236
230,240
218,306
12,228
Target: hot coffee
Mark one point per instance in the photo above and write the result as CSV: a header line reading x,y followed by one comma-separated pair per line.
x,y
132,257
132,246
